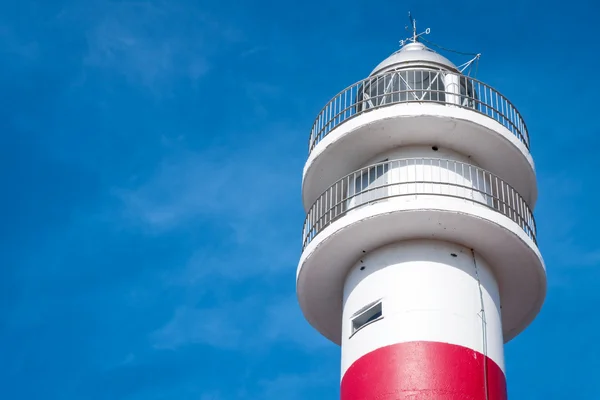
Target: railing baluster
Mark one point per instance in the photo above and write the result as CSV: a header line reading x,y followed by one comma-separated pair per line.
x,y
471,182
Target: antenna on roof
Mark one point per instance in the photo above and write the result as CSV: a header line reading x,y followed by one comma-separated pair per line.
x,y
415,36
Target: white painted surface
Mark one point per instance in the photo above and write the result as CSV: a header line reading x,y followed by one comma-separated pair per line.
x,y
512,255
452,85
414,55
352,144
420,151
427,295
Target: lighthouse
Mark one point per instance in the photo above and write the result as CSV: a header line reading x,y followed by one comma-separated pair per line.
x,y
419,252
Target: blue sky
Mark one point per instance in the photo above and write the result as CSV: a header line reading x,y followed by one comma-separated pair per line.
x,y
151,157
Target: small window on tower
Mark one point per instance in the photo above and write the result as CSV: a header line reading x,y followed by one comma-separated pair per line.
x,y
364,317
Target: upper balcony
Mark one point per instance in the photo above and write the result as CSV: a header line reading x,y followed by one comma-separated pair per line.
x,y
419,106
417,86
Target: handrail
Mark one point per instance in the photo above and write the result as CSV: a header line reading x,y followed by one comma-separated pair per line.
x,y
416,176
417,85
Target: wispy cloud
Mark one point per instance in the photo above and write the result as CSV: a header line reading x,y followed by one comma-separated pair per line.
x,y
239,183
11,43
253,323
140,41
213,327
558,208
242,194
192,185
261,95
253,51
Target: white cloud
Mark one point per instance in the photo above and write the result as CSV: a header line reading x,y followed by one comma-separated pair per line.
x,y
246,190
207,326
247,325
152,43
562,222
191,185
261,95
560,207
242,187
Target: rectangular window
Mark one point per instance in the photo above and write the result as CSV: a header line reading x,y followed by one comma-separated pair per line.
x,y
364,317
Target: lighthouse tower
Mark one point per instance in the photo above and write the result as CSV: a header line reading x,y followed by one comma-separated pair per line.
x,y
419,248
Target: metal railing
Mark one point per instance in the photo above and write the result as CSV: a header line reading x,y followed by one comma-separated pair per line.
x,y
416,177
417,85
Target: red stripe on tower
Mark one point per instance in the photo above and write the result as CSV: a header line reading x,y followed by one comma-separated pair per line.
x,y
423,370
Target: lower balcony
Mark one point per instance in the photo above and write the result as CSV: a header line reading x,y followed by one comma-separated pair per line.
x,y
413,179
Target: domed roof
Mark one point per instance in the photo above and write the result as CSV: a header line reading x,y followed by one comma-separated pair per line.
x,y
414,55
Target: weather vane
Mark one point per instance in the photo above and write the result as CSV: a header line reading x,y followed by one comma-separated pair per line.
x,y
415,36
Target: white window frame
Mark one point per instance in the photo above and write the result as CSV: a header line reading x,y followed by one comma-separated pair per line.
x,y
364,317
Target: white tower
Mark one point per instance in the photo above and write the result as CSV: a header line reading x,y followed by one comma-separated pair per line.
x,y
419,246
